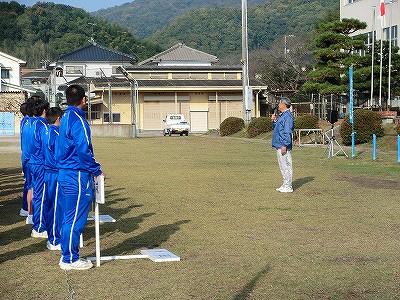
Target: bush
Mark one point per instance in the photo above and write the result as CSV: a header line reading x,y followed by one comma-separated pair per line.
x,y
306,122
366,123
258,126
231,125
398,128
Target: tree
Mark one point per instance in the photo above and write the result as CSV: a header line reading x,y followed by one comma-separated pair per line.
x,y
335,51
280,72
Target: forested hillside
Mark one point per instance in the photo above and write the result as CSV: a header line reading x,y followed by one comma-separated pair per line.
x,y
218,30
46,30
144,17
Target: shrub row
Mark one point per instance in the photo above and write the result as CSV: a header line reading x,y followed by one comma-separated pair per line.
x,y
261,125
230,126
258,126
366,123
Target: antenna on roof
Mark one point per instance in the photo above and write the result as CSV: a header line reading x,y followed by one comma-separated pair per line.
x,y
91,40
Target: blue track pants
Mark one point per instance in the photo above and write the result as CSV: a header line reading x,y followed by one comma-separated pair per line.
x,y
76,191
53,208
39,197
27,184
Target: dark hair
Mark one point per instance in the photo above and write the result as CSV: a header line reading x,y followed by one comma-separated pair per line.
x,y
29,105
53,114
22,109
74,94
38,106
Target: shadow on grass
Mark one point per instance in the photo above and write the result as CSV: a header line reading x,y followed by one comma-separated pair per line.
x,y
298,183
9,211
152,238
15,234
248,288
28,250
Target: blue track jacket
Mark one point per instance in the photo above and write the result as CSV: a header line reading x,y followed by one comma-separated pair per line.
x,y
283,129
50,147
24,131
37,136
74,150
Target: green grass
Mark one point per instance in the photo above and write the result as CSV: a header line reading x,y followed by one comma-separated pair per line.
x,y
213,202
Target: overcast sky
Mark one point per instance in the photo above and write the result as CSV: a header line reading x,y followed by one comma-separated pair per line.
x,y
89,5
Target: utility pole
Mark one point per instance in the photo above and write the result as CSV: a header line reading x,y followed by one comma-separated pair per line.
x,y
245,63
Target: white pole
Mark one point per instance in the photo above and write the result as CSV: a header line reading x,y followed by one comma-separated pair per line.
x,y
245,58
373,58
97,232
390,58
381,64
380,72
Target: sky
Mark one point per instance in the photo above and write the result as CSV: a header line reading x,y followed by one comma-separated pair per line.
x,y
89,5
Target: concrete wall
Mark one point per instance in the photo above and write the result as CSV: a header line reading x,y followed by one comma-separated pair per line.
x,y
113,130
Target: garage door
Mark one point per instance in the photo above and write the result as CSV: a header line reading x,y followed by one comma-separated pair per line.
x,y
155,112
198,121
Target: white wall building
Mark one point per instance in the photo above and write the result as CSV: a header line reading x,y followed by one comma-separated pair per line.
x,y
91,61
368,11
10,68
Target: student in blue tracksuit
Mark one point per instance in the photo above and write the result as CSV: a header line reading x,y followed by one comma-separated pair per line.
x,y
52,206
36,163
27,146
23,212
77,168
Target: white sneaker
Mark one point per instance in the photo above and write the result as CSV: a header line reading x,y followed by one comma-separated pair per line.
x,y
51,247
23,212
39,235
279,188
29,220
286,190
80,264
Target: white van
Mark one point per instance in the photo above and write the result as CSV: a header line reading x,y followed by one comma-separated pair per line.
x,y
175,124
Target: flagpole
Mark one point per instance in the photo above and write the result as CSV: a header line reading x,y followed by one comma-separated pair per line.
x,y
381,54
390,59
373,58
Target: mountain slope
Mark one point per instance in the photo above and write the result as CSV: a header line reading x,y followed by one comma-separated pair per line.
x,y
46,30
218,30
144,17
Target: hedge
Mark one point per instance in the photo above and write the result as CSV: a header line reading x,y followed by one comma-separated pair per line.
x,y
306,122
231,125
258,126
366,123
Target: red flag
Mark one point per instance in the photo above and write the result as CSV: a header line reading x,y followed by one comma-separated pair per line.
x,y
383,10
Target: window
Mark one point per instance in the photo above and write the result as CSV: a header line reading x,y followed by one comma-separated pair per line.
x,y
115,70
199,76
180,76
394,35
218,76
231,76
5,74
116,117
95,110
74,70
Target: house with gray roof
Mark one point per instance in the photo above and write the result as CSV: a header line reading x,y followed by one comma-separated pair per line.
x,y
179,80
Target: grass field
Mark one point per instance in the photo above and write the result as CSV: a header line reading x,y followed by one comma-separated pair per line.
x,y
213,202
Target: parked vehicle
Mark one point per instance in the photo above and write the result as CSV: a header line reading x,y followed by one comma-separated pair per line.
x,y
176,124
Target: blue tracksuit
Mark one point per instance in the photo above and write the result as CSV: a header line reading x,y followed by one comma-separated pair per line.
x,y
283,129
24,129
77,166
52,205
36,163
